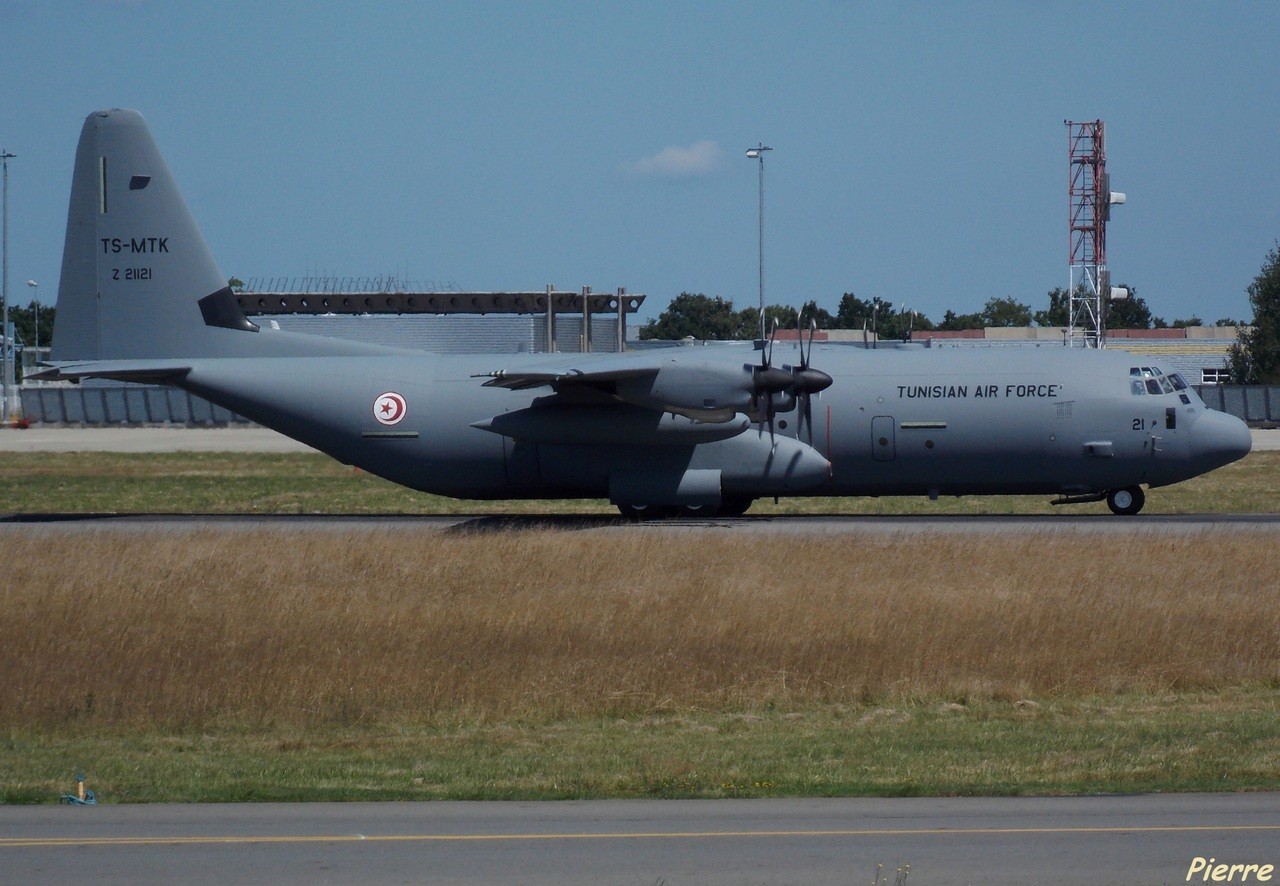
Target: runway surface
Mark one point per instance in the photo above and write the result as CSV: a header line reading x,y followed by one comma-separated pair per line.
x,y
1076,840
956,524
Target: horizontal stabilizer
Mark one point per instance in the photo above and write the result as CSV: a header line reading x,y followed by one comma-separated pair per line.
x,y
139,371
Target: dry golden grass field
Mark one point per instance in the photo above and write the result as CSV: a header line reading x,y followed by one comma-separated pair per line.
x,y
542,663
304,629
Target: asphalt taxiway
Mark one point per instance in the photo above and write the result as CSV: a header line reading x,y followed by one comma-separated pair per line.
x,y
907,525
1077,840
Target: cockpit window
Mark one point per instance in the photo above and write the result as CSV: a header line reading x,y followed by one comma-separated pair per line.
x,y
1150,380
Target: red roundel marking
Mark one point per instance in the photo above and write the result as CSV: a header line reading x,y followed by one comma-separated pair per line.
x,y
389,408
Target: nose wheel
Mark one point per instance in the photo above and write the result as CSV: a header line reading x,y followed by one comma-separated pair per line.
x,y
1126,502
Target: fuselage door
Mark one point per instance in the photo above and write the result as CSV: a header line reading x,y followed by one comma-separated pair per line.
x,y
883,447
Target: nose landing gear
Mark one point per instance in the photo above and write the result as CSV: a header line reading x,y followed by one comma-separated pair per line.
x,y
1126,502
1123,502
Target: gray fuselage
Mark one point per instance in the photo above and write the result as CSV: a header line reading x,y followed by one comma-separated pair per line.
x,y
894,422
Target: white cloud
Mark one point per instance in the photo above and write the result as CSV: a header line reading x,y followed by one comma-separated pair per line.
x,y
699,158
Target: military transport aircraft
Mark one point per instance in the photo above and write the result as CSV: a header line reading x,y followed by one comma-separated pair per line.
x,y
683,430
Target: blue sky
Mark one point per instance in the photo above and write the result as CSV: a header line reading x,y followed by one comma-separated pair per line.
x,y
919,148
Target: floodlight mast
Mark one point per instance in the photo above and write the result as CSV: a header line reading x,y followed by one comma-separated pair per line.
x,y
757,153
35,301
7,369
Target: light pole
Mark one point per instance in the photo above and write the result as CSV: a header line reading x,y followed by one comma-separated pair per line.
x,y
7,370
757,153
35,301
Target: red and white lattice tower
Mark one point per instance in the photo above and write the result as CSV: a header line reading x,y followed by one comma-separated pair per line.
x,y
1090,200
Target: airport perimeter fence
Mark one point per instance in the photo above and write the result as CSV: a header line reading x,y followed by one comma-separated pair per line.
x,y
123,405
1256,404
158,405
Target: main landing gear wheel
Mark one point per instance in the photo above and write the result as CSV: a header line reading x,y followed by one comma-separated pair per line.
x,y
637,512
1126,502
735,506
694,512
647,512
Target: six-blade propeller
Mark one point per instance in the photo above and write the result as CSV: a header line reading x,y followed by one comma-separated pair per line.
x,y
776,390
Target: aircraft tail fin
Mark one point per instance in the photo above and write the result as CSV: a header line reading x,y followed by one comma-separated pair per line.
x,y
138,279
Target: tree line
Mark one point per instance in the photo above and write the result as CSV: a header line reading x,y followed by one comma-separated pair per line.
x,y
714,318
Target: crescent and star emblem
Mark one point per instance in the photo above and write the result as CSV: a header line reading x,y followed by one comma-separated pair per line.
x,y
389,408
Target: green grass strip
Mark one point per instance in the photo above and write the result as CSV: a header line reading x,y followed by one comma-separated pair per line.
x,y
1202,742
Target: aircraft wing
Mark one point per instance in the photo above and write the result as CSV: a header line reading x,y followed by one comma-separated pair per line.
x,y
701,389
519,380
141,371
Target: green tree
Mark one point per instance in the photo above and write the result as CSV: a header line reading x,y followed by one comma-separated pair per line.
x,y
1059,311
821,316
784,314
1129,313
877,316
1187,323
1255,357
24,324
903,324
1006,312
852,312
697,315
953,322
748,321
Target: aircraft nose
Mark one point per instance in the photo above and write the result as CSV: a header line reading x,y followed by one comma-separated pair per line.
x,y
1218,439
